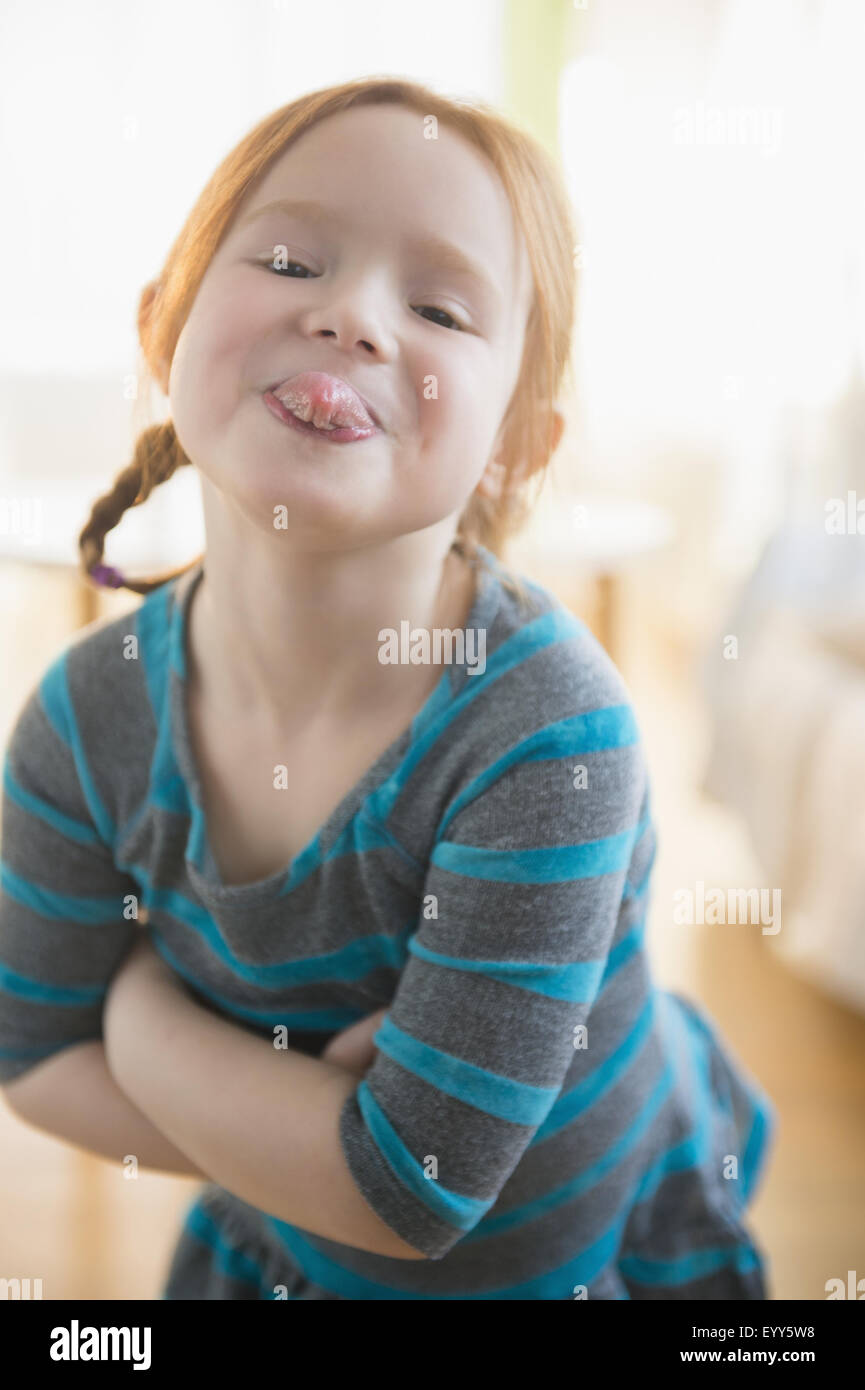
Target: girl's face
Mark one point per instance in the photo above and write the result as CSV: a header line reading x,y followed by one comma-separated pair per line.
x,y
401,273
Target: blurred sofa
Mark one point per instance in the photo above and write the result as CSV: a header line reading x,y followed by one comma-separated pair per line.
x,y
788,744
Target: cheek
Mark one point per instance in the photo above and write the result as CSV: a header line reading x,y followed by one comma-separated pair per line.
x,y
455,397
205,383
458,425
182,393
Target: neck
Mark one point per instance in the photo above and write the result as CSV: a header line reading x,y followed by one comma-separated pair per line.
x,y
286,637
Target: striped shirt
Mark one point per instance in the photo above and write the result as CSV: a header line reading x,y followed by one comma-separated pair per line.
x,y
541,1120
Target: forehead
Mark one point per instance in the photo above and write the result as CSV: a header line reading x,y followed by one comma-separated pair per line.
x,y
377,166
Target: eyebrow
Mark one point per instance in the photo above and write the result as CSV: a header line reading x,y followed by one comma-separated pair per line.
x,y
443,253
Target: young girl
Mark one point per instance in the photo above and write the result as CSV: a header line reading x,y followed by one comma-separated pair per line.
x,y
393,1001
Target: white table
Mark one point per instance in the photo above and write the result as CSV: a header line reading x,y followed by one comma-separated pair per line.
x,y
596,537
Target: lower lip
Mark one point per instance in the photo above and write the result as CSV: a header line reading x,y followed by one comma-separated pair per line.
x,y
344,435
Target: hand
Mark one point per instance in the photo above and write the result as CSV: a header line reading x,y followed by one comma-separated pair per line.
x,y
353,1048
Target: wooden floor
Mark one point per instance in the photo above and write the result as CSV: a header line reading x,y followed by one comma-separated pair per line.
x,y
77,1224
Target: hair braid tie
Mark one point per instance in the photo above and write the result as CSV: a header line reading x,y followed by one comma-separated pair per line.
x,y
108,576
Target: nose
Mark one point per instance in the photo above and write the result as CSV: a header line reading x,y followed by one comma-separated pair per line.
x,y
353,315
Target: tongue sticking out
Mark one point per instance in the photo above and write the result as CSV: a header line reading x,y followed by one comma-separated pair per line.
x,y
324,401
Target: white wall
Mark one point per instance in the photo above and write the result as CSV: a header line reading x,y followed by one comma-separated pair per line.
x,y
714,153
114,114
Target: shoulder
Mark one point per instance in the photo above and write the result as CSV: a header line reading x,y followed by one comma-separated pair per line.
x,y
545,707
543,663
96,689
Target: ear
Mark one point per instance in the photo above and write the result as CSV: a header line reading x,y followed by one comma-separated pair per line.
x,y
493,477
558,429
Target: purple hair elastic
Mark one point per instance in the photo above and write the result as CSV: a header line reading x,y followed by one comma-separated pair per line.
x,y
107,575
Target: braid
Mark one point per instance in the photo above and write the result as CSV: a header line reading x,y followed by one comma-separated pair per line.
x,y
157,457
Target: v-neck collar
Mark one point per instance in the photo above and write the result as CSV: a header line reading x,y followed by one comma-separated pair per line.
x,y
200,861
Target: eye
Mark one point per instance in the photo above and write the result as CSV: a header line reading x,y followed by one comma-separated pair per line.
x,y
286,269
446,315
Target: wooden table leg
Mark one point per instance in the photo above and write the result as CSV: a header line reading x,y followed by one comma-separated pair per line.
x,y
87,602
89,1224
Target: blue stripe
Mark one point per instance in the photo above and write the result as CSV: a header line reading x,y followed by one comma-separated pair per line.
x,y
360,835
39,993
453,1207
152,627
177,640
21,1054
760,1110
587,1092
228,1258
683,1041
170,793
534,637
57,704
64,825
295,1020
556,1284
755,1150
354,960
577,981
157,623
511,1100
554,864
574,981
685,1268
589,1177
593,732
95,912
639,890
624,949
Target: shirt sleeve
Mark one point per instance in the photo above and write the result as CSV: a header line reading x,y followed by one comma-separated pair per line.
x,y
521,900
67,913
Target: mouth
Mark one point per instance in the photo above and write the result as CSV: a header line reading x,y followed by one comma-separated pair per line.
x,y
337,435
323,405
